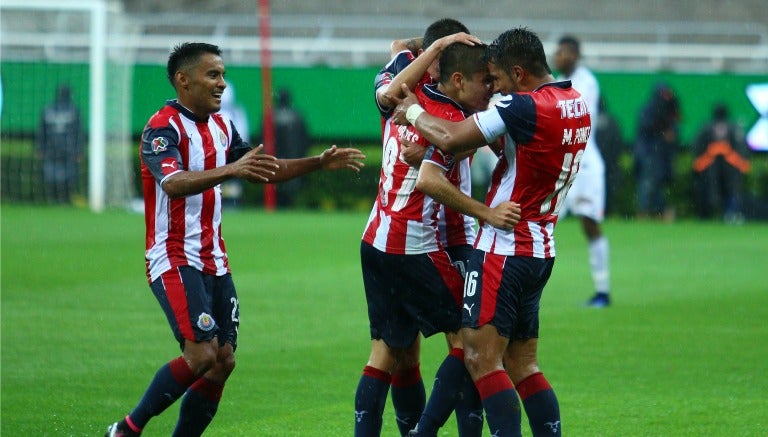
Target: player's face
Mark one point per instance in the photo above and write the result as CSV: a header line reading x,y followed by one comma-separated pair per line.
x,y
565,59
203,85
476,91
502,81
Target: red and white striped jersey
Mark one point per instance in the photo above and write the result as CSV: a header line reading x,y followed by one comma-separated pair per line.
x,y
185,231
545,133
454,228
402,220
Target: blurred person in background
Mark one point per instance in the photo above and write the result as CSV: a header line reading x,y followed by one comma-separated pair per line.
x,y
612,147
60,141
658,139
586,198
721,162
187,150
293,139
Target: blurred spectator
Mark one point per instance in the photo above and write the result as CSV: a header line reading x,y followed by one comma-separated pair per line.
x,y
655,149
291,141
60,147
611,145
719,167
232,190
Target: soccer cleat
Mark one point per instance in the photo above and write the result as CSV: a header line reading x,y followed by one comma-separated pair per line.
x,y
115,430
599,300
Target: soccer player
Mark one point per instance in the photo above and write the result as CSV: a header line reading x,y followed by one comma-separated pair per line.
x,y
544,125
187,151
411,285
586,198
464,87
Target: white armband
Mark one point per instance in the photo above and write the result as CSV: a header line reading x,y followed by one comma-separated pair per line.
x,y
413,113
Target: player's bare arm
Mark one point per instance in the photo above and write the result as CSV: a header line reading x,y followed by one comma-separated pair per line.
x,y
253,167
413,153
332,158
411,44
411,75
452,137
432,182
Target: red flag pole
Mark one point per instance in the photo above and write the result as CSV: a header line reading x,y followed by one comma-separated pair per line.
x,y
270,194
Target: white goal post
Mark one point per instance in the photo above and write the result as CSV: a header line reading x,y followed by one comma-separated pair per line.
x,y
97,132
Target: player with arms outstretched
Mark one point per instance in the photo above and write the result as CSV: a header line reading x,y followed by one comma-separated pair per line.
x,y
187,151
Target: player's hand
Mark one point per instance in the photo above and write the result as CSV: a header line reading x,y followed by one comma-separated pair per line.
x,y
460,37
255,166
411,153
398,115
505,215
334,158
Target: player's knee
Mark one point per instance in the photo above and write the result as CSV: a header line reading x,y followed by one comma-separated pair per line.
x,y
201,357
228,364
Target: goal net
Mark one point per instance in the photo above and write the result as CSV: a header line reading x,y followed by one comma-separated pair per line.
x,y
47,46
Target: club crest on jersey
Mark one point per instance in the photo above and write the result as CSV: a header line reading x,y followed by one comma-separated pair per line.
x,y
223,139
205,322
159,144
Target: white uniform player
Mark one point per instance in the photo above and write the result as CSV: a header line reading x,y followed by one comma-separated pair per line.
x,y
586,197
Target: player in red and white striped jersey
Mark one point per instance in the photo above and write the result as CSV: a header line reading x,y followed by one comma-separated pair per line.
x,y
545,126
409,279
187,151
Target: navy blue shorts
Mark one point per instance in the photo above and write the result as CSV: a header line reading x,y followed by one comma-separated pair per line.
x,y
460,257
408,294
505,291
199,306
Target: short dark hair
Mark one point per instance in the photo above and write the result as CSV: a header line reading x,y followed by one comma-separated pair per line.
x,y
572,42
463,58
522,47
186,54
440,28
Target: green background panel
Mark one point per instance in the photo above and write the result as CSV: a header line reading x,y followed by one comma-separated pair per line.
x,y
338,102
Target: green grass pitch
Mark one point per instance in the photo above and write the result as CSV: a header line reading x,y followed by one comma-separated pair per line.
x,y
682,352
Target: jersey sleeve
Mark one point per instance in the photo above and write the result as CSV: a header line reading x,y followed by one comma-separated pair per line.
x,y
514,114
437,157
387,74
160,151
238,147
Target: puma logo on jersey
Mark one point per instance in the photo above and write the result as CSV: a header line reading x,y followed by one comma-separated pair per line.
x,y
168,164
469,309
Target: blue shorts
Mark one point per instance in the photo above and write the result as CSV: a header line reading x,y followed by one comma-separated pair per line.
x,y
198,306
460,256
505,291
408,294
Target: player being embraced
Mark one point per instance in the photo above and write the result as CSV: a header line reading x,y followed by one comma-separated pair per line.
x,y
465,87
187,151
544,125
411,287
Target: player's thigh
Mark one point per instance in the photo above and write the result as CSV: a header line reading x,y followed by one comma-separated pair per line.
x,y
429,287
524,279
387,317
226,308
187,304
505,291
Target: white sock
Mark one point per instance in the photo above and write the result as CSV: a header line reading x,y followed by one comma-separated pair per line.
x,y
598,261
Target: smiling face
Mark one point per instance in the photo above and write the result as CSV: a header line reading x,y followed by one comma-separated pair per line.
x,y
201,85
